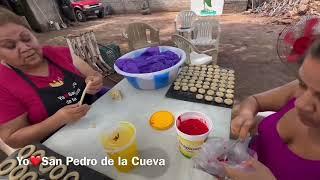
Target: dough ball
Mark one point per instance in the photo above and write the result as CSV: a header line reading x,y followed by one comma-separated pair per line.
x,y
216,66
231,78
222,85
231,71
229,96
230,75
228,101
208,79
204,69
216,76
192,81
187,77
194,77
209,73
176,83
224,70
220,94
222,89
199,82
190,84
230,82
224,77
208,98
210,92
209,76
214,84
177,88
193,89
185,88
230,91
205,87
210,69
206,83
215,80
198,85
203,75
201,91
184,84
218,99
201,78
214,88
230,86
199,96
185,80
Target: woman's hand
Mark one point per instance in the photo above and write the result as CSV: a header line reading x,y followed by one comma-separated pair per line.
x,y
96,83
71,113
242,124
257,171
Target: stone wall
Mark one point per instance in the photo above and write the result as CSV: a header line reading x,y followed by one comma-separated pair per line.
x,y
133,6
235,6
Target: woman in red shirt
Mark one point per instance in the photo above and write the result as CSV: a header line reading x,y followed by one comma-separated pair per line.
x,y
39,86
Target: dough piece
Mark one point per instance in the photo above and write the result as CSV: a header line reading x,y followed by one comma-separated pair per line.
x,y
215,80
230,91
222,81
187,77
208,98
190,84
230,75
9,164
54,175
201,78
194,77
199,82
116,95
185,68
72,175
208,79
18,172
214,84
206,83
192,81
203,65
230,86
210,69
216,76
231,71
209,73
199,96
40,153
198,72
191,67
185,80
229,96
214,88
224,70
189,74
231,78
220,94
228,101
198,86
203,75
30,176
210,92
223,74
176,83
45,169
180,77
177,88
224,77
201,91
222,85
210,66
216,66
183,84
218,99
222,89
205,87
204,69
193,89
29,149
217,70
216,73
197,68
231,82
209,76
185,88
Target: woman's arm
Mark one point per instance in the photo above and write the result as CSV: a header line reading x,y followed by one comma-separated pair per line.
x,y
271,100
18,132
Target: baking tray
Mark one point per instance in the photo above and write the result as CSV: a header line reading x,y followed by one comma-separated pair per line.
x,y
84,172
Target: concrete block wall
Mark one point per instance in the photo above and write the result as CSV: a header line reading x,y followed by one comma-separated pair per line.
x,y
133,6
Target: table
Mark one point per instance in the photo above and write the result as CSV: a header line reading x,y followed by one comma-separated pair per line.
x,y
81,139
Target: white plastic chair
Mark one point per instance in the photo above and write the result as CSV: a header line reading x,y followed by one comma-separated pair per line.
x,y
193,55
183,22
206,32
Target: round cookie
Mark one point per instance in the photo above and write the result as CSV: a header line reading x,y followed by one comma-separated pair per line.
x,y
223,74
230,91
228,101
222,89
199,96
194,77
7,166
177,88
185,88
223,81
72,175
230,86
210,76
218,99
198,86
230,75
209,73
54,175
208,98
30,176
30,149
216,73
203,75
220,94
206,83
193,89
210,92
217,70
214,84
229,96
204,69
45,169
201,91
176,83
205,87
18,172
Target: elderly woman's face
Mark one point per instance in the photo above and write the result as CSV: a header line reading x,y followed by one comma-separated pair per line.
x,y
308,100
18,46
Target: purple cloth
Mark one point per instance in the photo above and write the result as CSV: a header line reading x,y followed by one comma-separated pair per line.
x,y
151,60
276,155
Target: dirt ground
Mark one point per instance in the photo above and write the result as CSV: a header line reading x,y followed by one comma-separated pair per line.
x,y
247,44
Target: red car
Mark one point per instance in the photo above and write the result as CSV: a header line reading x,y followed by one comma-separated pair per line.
x,y
83,8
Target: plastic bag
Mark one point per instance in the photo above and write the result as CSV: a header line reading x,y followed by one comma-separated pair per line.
x,y
213,152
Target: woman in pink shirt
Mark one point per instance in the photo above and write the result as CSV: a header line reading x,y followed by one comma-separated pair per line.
x,y
39,86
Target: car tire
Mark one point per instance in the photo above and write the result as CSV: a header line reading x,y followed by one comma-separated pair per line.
x,y
80,16
100,14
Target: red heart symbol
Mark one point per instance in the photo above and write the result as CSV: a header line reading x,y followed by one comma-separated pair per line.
x,y
35,160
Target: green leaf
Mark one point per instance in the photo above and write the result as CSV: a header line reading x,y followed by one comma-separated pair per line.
x,y
208,2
